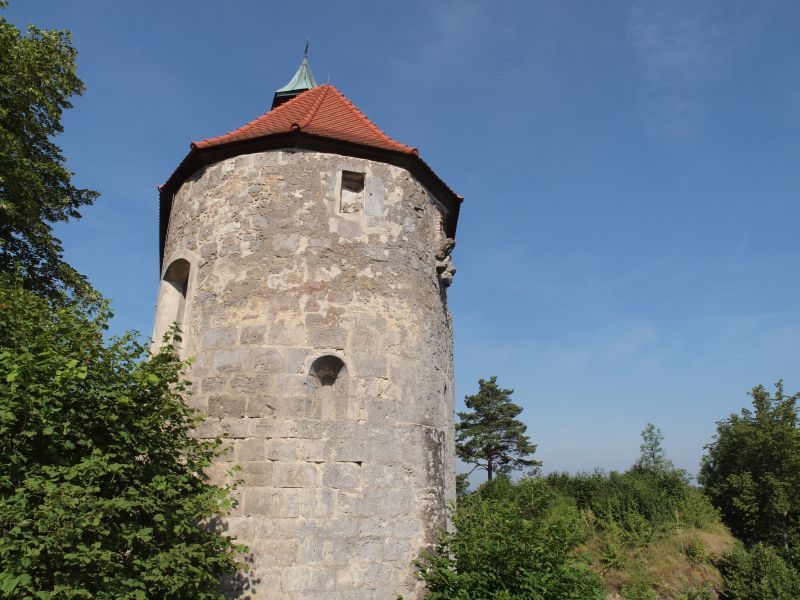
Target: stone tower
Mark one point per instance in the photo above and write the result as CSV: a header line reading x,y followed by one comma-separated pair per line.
x,y
305,256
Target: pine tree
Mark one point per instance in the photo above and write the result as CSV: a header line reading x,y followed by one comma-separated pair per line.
x,y
490,436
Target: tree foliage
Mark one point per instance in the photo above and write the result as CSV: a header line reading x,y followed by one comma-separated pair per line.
x,y
490,436
758,574
751,471
511,542
102,493
37,78
652,456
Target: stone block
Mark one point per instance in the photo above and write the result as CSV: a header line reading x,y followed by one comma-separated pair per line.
x,y
256,473
237,428
257,383
291,385
270,428
368,550
261,501
227,405
307,579
294,475
369,364
287,335
213,385
207,251
312,450
341,475
229,360
250,450
365,338
348,504
387,502
388,475
239,527
327,337
280,449
253,334
349,450
243,163
264,360
374,197
294,359
209,428
375,527
317,503
226,453
292,407
225,337
351,229
260,406
286,244
276,551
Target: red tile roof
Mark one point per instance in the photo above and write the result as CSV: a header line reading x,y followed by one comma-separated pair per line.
x,y
322,119
322,111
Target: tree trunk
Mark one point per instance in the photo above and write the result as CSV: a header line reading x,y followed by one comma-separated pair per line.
x,y
489,468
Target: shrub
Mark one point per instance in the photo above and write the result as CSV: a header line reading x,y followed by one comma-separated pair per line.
x,y
102,493
639,588
695,594
758,574
639,501
696,552
511,541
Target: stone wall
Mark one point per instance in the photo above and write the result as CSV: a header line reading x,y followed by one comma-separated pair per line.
x,y
347,462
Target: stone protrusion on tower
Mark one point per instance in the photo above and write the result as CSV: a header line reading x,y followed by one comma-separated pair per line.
x,y
306,256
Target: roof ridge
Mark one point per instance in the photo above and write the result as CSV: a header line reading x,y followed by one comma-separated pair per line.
x,y
380,131
314,107
273,111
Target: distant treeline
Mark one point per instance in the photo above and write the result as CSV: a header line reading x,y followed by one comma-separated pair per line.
x,y
646,534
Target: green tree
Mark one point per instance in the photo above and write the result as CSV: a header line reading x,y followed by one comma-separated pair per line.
x,y
751,471
758,574
511,542
102,492
37,78
652,456
489,436
462,484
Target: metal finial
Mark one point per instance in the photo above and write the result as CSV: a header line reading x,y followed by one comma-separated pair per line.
x,y
305,52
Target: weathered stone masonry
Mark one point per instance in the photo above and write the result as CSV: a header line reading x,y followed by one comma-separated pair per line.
x,y
315,305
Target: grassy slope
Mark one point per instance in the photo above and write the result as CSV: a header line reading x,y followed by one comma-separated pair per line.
x,y
670,564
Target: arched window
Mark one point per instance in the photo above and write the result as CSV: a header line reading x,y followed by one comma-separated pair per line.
x,y
171,298
328,394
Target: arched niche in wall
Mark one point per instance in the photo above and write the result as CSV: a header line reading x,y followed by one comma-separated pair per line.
x,y
328,388
171,298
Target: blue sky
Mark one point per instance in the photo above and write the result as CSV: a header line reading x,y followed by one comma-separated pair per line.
x,y
628,248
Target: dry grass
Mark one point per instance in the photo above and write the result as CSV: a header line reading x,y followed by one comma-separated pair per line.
x,y
674,561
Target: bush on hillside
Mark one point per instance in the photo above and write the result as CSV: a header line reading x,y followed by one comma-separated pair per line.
x,y
511,542
758,574
641,502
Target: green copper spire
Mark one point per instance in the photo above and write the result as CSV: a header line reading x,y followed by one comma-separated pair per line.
x,y
303,80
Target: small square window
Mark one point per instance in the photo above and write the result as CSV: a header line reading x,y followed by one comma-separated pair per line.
x,y
352,192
